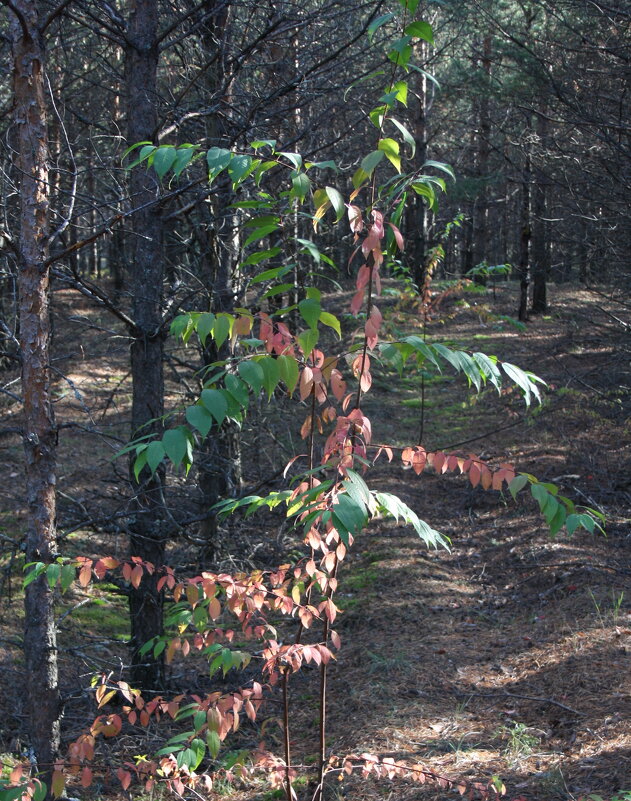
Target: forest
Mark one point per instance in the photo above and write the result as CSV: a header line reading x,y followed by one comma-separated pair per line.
x,y
315,400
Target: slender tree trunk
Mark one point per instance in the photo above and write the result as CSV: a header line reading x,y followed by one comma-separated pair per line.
x,y
219,464
540,252
40,433
524,239
480,243
416,213
146,286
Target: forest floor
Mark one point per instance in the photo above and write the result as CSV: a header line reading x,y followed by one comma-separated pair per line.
x,y
508,656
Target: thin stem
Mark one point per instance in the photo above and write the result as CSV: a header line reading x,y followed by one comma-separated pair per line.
x,y
288,790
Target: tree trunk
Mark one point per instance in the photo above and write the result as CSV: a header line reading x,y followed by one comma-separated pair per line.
x,y
40,433
540,252
219,464
480,243
524,240
146,286
416,213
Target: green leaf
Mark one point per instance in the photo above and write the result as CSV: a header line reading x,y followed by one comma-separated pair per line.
x,y
488,369
337,201
199,418
259,256
238,390
184,155
411,5
394,507
322,165
252,373
294,158
221,328
145,155
401,52
311,248
68,573
359,177
377,23
204,326
370,161
401,92
139,463
259,143
213,742
407,136
349,517
326,318
175,444
420,30
308,340
288,367
53,573
269,275
217,159
517,485
391,148
215,402
310,311
301,185
260,233
377,115
155,454
271,374
426,191
439,165
163,160
556,523
520,378
239,168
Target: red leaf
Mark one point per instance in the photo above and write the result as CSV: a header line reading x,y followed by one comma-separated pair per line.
x,y
124,777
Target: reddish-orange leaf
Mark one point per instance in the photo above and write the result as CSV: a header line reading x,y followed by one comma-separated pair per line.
x,y
474,474
136,576
124,776
86,777
16,774
214,608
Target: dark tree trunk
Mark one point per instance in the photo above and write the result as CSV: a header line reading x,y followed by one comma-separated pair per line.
x,y
540,252
480,243
219,464
40,434
146,276
524,240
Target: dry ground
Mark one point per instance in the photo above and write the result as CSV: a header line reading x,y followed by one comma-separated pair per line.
x,y
508,655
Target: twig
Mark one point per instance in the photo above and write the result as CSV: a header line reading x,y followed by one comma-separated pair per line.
x,y
523,697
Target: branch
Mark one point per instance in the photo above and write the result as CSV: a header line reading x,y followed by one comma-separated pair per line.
x,y
20,17
55,13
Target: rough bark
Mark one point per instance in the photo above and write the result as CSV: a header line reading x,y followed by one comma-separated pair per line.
x,y
219,464
481,206
146,276
40,433
540,233
524,240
